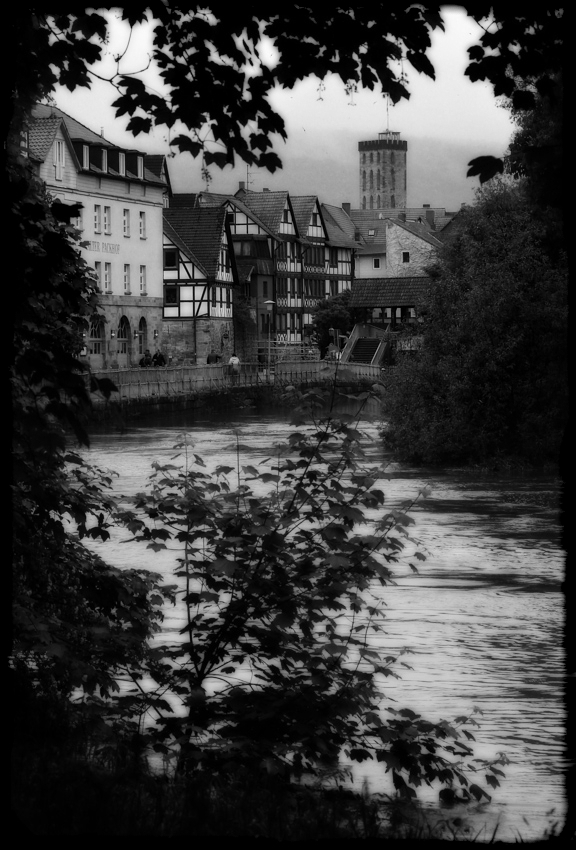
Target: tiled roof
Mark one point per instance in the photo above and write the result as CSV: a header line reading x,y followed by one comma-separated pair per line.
x,y
183,199
41,136
268,206
77,131
339,225
174,237
303,206
373,247
389,291
46,120
200,230
420,230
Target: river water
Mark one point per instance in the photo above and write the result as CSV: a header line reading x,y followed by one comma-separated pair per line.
x,y
483,617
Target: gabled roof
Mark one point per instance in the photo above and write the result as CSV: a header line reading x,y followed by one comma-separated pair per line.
x,y
419,230
303,207
389,291
157,165
44,123
268,206
373,247
174,237
201,231
78,132
339,225
214,199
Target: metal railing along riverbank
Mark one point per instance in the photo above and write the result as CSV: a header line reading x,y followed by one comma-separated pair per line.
x,y
174,382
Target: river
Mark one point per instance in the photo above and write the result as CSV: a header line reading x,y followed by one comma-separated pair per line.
x,y
483,617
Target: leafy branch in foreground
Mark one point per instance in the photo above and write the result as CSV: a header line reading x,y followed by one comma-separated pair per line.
x,y
281,590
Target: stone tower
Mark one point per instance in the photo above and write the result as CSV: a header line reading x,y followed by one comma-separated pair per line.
x,y
383,172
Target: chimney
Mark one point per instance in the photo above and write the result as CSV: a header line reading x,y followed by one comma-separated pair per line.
x,y
430,219
346,208
265,190
242,185
425,206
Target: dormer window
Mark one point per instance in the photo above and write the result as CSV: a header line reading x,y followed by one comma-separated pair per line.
x,y
140,167
104,159
371,232
122,163
85,156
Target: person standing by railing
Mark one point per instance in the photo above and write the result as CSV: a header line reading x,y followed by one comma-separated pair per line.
x,y
234,364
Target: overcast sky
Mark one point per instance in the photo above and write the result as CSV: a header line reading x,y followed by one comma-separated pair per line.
x,y
446,122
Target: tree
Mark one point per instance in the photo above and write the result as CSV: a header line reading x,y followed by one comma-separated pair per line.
x,y
274,668
331,313
219,85
490,379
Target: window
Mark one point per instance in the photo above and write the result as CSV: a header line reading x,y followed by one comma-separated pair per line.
x,y
142,280
107,277
104,159
170,258
126,279
285,216
107,220
371,232
405,256
213,296
142,223
126,222
85,156
376,263
315,219
264,289
122,163
228,298
97,218
333,257
95,338
171,295
122,335
98,270
59,159
140,168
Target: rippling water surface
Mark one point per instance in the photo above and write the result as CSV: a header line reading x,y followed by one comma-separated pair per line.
x,y
483,617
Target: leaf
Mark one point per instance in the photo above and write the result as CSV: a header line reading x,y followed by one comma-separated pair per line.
x,y
485,167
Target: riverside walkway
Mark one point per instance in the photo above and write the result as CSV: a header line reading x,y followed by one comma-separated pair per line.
x,y
174,383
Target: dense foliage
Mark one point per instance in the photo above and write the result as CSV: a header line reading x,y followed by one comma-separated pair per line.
x,y
330,314
219,81
490,379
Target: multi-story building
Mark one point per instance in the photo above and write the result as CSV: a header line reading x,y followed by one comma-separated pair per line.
x,y
313,258
121,200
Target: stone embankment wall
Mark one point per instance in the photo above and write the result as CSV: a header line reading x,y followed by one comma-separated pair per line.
x,y
145,390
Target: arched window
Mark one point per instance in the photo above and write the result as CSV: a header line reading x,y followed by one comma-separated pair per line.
x,y
378,180
364,202
123,335
378,157
392,201
371,202
95,336
363,159
378,204
371,158
363,179
371,179
142,336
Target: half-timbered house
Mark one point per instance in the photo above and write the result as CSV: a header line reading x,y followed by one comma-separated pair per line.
x,y
199,278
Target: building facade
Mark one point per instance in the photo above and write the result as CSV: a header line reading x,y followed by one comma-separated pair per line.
x,y
382,172
121,203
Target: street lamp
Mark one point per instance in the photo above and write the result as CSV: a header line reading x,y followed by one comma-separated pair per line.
x,y
269,307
